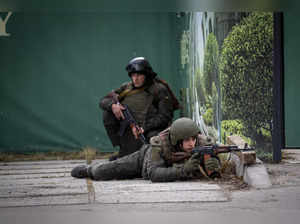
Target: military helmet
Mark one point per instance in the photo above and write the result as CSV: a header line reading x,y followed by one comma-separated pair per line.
x,y
140,65
183,128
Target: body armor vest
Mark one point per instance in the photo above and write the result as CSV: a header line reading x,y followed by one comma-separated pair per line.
x,y
139,104
167,148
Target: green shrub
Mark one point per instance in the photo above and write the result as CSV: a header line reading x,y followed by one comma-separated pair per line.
x,y
246,72
233,127
208,117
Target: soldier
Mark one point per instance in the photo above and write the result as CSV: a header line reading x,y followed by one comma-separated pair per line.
x,y
167,158
150,101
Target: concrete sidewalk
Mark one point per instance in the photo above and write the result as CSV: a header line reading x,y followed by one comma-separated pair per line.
x,y
49,183
44,183
28,191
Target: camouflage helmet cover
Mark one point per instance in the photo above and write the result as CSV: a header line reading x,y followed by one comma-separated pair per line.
x,y
183,128
140,65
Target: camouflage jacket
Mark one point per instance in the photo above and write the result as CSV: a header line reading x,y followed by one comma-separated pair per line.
x,y
163,162
159,112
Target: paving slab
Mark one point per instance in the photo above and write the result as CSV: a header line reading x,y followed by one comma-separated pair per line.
x,y
34,176
257,176
42,162
52,200
143,191
41,190
34,171
36,167
49,183
293,156
54,181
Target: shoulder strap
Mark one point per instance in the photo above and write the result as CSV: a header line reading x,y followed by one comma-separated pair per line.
x,y
129,92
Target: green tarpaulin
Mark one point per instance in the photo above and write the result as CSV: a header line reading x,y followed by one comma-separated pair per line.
x,y
56,66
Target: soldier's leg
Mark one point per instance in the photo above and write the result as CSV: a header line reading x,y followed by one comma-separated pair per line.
x,y
127,167
151,133
128,143
112,127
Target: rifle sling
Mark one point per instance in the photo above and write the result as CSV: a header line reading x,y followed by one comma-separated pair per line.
x,y
179,156
130,92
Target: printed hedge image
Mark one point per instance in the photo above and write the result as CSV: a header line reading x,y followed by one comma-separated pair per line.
x,y
227,58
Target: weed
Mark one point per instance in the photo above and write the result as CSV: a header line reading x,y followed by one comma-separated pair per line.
x,y
86,153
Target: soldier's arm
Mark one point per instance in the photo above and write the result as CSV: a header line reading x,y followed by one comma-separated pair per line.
x,y
157,169
107,101
164,114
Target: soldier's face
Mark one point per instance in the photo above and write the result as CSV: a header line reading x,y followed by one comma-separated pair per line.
x,y
138,79
188,144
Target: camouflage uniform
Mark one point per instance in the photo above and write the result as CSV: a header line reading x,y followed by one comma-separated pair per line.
x,y
151,106
155,161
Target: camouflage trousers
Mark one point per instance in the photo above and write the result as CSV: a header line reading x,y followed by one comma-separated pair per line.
x,y
127,167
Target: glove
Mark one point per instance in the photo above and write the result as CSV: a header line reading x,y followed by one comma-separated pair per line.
x,y
191,166
212,167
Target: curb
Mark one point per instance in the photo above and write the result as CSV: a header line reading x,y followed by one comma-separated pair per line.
x,y
254,175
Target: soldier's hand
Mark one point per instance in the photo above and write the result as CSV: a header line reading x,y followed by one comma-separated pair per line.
x,y
117,110
191,166
212,166
136,131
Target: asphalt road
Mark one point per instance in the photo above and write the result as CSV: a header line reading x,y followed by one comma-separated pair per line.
x,y
44,192
276,205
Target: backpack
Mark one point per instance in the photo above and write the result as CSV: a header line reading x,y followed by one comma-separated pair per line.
x,y
175,102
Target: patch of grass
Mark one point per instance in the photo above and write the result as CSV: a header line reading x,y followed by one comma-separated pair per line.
x,y
86,153
287,155
89,154
266,157
227,166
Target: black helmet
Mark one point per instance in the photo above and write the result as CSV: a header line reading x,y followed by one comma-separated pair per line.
x,y
140,65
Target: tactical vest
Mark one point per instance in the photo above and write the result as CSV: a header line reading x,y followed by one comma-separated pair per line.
x,y
139,104
168,150
163,141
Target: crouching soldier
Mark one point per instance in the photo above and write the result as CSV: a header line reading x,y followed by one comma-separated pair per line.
x,y
150,100
167,158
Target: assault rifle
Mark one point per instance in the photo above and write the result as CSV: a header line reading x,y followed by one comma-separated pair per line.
x,y
204,153
210,150
129,121
215,149
247,155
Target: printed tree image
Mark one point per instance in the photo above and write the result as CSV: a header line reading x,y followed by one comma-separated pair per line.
x,y
211,58
246,72
211,77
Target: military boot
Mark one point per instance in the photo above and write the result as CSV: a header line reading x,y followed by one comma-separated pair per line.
x,y
80,171
113,157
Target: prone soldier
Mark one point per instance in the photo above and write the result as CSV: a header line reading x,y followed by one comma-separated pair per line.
x,y
167,158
